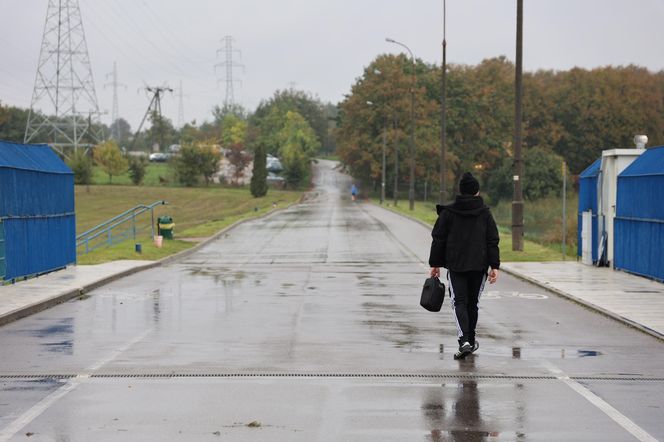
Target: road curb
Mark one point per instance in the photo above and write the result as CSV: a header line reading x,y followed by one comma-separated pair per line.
x,y
45,304
584,303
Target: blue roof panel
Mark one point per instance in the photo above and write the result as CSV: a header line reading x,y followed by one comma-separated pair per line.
x,y
651,162
35,157
592,170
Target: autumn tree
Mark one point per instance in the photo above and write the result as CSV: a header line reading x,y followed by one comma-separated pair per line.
x,y
108,156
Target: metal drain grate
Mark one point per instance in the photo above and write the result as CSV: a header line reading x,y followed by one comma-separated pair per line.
x,y
455,376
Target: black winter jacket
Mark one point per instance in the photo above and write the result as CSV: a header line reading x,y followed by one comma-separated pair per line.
x,y
465,236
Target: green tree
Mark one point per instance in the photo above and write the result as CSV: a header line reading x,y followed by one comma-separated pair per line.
x,y
108,156
137,169
81,165
259,175
542,176
269,116
161,131
194,161
122,130
298,145
12,123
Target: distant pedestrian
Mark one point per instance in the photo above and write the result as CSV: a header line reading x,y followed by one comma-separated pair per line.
x,y
353,192
465,242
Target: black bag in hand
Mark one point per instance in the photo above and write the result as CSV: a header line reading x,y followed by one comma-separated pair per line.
x,y
433,294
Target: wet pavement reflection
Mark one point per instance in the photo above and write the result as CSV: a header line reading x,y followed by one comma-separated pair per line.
x,y
317,307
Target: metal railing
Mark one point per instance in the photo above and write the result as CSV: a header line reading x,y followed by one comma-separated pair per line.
x,y
116,229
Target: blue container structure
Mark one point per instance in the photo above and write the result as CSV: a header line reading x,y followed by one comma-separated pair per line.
x,y
639,222
588,201
37,220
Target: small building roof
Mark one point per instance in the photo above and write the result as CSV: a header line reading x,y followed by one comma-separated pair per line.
x,y
35,157
651,162
592,170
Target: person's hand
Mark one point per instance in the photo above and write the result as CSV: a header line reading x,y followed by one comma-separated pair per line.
x,y
435,272
493,276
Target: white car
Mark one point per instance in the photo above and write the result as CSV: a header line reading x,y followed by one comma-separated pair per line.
x,y
158,157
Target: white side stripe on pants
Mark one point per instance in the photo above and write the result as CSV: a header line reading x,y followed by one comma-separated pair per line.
x,y
451,289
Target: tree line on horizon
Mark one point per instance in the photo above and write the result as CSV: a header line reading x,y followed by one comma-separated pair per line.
x,y
568,115
291,124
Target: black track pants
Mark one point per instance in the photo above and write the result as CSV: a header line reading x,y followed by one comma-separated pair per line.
x,y
465,290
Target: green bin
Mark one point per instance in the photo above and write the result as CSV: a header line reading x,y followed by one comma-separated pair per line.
x,y
165,226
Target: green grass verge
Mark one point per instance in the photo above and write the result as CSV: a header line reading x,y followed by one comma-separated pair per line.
x,y
532,251
196,212
156,174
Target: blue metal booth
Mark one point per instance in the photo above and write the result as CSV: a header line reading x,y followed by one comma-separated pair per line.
x,y
37,219
639,221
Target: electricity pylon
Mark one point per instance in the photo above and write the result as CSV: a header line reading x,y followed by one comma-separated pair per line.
x,y
155,107
115,113
229,66
64,110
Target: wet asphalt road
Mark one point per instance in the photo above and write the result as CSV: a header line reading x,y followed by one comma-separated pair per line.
x,y
306,326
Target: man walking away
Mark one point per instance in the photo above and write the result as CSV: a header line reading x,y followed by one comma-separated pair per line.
x,y
465,242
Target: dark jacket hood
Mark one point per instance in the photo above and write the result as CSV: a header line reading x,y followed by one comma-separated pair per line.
x,y
465,205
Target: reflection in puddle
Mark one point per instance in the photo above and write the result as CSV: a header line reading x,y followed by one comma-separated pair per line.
x,y
61,334
552,353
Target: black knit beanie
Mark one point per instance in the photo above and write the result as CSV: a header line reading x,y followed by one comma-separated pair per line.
x,y
468,184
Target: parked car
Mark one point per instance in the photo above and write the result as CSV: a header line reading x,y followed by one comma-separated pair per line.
x,y
273,164
159,157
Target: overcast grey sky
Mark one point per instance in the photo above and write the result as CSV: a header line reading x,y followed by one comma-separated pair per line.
x,y
319,46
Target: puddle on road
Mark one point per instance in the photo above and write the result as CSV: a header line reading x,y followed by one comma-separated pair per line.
x,y
46,384
552,353
515,352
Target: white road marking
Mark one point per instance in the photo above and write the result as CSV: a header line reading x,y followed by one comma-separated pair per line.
x,y
36,410
602,405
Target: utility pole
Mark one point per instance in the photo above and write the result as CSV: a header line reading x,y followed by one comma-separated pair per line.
x,y
155,107
64,100
229,65
564,210
382,172
443,123
396,163
115,134
517,203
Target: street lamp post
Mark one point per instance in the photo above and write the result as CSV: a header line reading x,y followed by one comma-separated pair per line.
x,y
411,190
517,202
443,121
382,175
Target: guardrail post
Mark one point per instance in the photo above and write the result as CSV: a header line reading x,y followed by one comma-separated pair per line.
x,y
133,222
